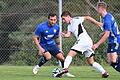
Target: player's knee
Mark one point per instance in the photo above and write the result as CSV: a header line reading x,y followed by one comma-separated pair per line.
x,y
60,57
113,61
90,63
90,60
48,58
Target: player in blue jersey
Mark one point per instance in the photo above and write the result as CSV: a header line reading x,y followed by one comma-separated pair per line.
x,y
111,32
45,37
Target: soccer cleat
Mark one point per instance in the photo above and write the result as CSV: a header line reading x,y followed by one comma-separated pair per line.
x,y
62,72
69,75
36,69
105,75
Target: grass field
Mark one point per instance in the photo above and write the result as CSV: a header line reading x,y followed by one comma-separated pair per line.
x,y
81,73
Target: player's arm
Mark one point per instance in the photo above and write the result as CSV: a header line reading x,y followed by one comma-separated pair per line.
x,y
92,20
68,34
107,29
57,41
104,37
36,41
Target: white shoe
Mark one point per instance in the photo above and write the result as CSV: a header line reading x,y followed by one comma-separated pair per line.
x,y
69,75
36,69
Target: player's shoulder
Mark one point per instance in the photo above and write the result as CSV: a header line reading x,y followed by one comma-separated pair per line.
x,y
56,26
109,16
78,17
43,24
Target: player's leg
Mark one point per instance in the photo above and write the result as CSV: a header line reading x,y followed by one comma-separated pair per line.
x,y
113,56
69,57
60,57
90,59
55,51
67,63
114,60
43,59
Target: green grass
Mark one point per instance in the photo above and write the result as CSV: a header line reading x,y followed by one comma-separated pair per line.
x,y
81,73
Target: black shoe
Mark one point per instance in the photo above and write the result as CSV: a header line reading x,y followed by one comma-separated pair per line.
x,y
62,72
105,75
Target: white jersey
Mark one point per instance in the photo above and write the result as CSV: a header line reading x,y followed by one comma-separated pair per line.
x,y
84,42
77,28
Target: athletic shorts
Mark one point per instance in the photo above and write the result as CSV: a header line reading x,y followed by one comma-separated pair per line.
x,y
52,49
83,47
113,47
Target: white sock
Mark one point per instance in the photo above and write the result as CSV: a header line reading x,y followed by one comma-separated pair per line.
x,y
67,62
98,67
37,66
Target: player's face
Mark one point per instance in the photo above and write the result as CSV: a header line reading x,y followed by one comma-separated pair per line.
x,y
100,10
66,19
52,20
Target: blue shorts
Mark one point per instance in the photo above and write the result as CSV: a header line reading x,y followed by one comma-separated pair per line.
x,y
52,49
113,47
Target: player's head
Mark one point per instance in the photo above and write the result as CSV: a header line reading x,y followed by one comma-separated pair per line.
x,y
66,17
101,7
52,19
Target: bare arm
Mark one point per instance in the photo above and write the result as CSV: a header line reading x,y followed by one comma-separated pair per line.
x,y
103,39
35,38
68,34
92,20
57,41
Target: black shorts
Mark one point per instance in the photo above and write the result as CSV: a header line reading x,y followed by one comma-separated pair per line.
x,y
52,49
113,47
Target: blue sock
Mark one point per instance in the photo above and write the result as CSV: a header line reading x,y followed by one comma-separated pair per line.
x,y
43,60
116,66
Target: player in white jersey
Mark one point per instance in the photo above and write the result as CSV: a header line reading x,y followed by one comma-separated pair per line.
x,y
84,42
82,45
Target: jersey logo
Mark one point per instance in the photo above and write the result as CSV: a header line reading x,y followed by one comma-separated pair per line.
x,y
48,37
55,30
46,31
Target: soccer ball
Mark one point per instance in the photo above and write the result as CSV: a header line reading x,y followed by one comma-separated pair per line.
x,y
55,72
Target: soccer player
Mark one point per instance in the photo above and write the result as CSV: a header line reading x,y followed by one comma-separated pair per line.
x,y
44,36
111,32
82,45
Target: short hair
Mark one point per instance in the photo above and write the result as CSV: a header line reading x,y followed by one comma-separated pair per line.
x,y
51,15
102,4
66,13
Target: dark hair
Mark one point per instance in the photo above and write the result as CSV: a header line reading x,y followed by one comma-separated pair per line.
x,y
102,4
66,13
51,15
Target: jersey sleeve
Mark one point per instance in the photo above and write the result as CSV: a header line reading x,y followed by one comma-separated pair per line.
x,y
81,19
37,31
69,28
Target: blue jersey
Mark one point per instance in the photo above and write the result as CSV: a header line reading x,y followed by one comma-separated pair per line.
x,y
109,24
46,33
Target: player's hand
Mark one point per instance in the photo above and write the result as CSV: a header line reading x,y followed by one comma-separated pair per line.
x,y
95,46
62,34
41,51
